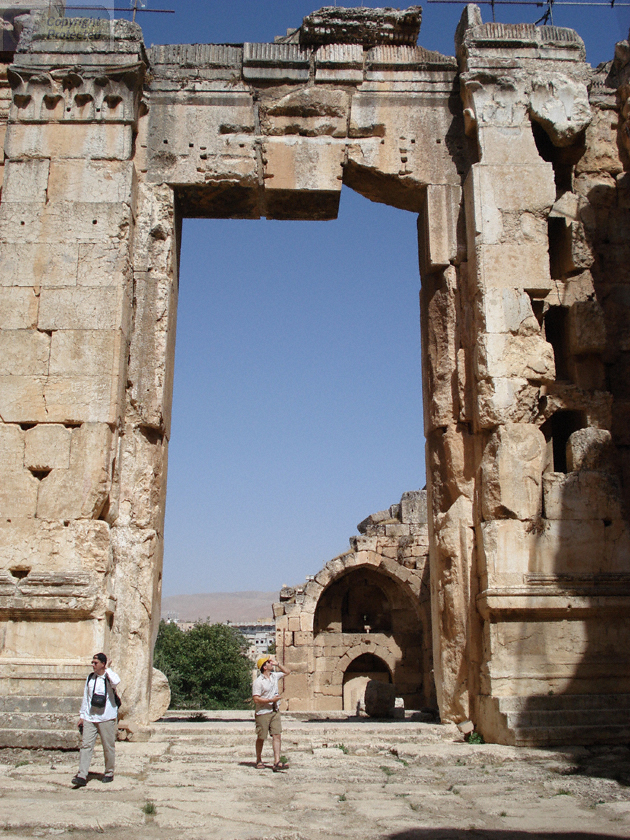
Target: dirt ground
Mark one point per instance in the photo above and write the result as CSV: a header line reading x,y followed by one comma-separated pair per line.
x,y
356,779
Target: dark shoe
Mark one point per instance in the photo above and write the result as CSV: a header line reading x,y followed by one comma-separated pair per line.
x,y
108,778
281,765
78,782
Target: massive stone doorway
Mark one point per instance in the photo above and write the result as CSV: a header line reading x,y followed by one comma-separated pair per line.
x,y
510,157
283,329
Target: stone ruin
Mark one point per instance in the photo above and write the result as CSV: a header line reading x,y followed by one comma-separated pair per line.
x,y
365,616
514,154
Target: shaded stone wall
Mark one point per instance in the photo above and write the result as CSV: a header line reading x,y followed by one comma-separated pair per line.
x,y
513,154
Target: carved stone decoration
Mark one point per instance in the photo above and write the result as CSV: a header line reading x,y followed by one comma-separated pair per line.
x,y
71,95
561,106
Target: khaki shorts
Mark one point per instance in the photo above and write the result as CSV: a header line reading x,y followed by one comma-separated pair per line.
x,y
268,724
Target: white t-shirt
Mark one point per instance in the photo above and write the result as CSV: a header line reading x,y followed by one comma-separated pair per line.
x,y
266,688
96,685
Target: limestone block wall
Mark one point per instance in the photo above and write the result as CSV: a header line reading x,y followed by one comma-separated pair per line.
x,y
67,227
543,262
365,614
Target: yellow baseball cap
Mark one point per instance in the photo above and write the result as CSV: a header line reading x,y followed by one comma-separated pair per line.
x,y
261,661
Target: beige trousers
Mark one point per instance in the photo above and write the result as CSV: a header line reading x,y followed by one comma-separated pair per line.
x,y
107,730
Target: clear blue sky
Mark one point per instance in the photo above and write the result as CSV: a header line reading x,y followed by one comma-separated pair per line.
x,y
297,405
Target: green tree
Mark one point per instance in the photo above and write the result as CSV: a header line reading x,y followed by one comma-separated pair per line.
x,y
206,666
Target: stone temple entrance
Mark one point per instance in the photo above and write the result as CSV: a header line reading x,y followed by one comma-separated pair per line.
x,y
513,153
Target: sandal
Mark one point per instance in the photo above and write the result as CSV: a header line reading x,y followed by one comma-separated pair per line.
x,y
260,765
281,765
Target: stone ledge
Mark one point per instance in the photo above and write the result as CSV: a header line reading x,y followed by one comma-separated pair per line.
x,y
507,603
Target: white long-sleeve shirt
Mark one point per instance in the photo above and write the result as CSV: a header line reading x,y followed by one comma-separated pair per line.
x,y
95,684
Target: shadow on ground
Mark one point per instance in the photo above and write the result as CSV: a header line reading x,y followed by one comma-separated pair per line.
x,y
492,834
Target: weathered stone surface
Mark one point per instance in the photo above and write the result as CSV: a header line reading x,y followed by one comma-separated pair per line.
x,y
38,264
24,352
339,63
303,164
506,311
512,472
572,548
86,352
590,449
73,180
160,695
450,587
561,106
437,227
83,309
18,490
309,112
52,547
50,140
601,149
506,400
18,308
413,507
504,551
587,328
582,495
26,180
440,345
504,355
47,447
81,490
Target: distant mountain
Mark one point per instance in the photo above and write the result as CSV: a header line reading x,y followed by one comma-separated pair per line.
x,y
218,607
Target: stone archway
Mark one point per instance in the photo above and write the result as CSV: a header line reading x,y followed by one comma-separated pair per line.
x,y
518,180
372,601
362,669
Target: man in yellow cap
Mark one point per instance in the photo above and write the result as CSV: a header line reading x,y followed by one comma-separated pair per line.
x,y
266,697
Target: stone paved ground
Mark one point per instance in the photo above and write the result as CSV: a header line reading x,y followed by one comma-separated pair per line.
x,y
358,780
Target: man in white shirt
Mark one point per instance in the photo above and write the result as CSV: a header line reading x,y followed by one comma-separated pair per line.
x,y
99,715
266,697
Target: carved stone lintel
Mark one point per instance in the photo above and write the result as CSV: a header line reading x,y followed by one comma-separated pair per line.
x,y
76,94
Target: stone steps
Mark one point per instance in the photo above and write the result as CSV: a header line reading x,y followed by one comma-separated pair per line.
x,y
33,738
568,735
567,719
47,721
548,702
39,722
16,703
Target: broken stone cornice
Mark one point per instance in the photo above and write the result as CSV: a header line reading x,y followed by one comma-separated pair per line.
x,y
369,27
536,41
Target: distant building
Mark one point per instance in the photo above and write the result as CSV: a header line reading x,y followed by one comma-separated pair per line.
x,y
259,636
